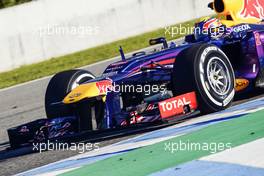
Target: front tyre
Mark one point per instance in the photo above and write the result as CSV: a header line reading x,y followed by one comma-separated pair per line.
x,y
205,69
59,86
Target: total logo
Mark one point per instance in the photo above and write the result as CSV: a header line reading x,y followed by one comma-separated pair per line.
x,y
174,106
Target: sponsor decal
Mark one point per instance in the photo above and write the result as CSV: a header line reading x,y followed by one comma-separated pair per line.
x,y
174,106
75,95
257,38
253,8
150,107
229,98
115,68
118,63
104,86
110,74
241,84
241,28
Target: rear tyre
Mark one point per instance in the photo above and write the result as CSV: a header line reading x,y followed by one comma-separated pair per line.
x,y
205,69
59,86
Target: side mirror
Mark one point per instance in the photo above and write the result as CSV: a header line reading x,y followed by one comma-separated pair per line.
x,y
158,41
211,5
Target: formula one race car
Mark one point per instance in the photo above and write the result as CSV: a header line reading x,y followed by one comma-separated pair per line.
x,y
224,56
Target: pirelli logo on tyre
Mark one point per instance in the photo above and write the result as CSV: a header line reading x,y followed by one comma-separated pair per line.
x,y
175,105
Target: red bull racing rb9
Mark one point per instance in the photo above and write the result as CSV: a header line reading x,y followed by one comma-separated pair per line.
x,y
224,57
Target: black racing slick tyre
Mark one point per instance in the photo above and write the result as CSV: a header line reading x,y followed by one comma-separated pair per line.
x,y
206,70
59,86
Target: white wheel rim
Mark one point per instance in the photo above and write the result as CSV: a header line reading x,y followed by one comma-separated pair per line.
x,y
218,76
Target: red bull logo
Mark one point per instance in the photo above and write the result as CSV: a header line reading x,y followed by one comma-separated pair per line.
x,y
253,9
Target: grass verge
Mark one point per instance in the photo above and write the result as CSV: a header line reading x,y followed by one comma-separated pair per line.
x,y
82,58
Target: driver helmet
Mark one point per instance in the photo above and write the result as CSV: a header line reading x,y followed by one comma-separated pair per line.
x,y
209,28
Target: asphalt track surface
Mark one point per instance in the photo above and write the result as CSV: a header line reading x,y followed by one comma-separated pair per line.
x,y
25,103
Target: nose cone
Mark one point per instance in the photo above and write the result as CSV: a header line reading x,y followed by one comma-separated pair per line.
x,y
89,90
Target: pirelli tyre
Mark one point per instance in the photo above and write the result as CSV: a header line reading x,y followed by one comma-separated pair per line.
x,y
205,69
59,86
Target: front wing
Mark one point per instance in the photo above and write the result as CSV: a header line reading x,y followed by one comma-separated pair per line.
x,y
171,111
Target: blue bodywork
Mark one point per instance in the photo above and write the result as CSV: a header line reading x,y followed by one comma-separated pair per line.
x,y
242,48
